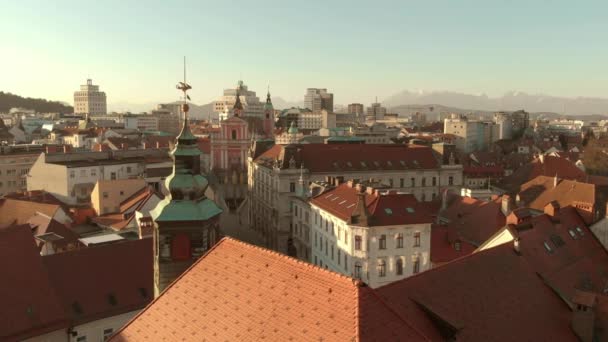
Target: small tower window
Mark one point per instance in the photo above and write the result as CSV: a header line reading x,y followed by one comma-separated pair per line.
x,y
180,247
234,134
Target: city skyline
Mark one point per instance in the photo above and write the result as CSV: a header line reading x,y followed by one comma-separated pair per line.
x,y
132,52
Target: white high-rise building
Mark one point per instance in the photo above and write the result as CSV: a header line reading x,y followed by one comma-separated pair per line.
x,y
251,103
89,100
318,99
375,112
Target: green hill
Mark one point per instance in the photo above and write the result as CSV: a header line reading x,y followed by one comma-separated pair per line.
x,y
8,101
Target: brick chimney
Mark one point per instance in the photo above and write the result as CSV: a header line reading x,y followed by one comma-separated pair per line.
x,y
552,209
360,215
583,315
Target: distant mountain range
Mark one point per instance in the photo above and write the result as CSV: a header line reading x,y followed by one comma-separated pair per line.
x,y
508,102
8,101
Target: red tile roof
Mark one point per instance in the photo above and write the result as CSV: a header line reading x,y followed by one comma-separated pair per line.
x,y
542,190
493,295
30,305
43,224
473,220
91,276
239,292
385,208
576,260
545,166
352,157
443,246
19,211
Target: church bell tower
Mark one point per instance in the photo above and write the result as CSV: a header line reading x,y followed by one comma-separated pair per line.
x,y
186,222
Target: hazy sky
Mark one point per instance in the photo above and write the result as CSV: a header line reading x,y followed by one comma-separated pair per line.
x,y
357,49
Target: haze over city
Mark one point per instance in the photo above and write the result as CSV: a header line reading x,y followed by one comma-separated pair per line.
x,y
303,171
358,49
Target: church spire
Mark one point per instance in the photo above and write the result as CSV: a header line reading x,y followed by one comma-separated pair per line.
x,y
238,106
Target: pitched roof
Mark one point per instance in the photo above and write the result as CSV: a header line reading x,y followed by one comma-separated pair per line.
x,y
20,211
30,305
111,279
352,157
385,208
474,220
42,224
541,190
493,295
241,292
543,166
576,259
443,245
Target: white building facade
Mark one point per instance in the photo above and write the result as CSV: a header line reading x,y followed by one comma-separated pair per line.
x,y
89,100
386,246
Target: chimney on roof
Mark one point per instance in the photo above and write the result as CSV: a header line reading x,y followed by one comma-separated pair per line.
x,y
506,205
370,190
541,157
360,215
583,315
516,245
552,209
555,180
328,179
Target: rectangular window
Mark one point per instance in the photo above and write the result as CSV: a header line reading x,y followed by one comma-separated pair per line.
x,y
401,183
357,242
332,252
417,239
357,270
451,180
107,333
292,187
345,262
423,181
381,268
326,249
113,176
434,181
72,175
105,195
399,266
93,172
400,240
382,242
83,173
128,169
339,255
416,266
412,182
390,182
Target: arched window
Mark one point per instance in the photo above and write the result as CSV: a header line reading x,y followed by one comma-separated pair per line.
x,y
381,268
234,134
399,266
180,247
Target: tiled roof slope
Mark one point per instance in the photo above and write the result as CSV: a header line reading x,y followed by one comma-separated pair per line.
x,y
30,306
576,260
545,166
541,190
104,281
473,220
239,292
493,295
42,224
386,209
352,157
19,212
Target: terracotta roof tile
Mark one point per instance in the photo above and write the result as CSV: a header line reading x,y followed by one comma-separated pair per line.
x,y
30,305
385,208
493,295
352,157
121,270
239,292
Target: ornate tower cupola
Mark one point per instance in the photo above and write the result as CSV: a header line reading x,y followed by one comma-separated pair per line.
x,y
186,222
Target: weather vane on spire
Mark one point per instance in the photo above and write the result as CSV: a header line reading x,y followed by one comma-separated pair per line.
x,y
184,87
